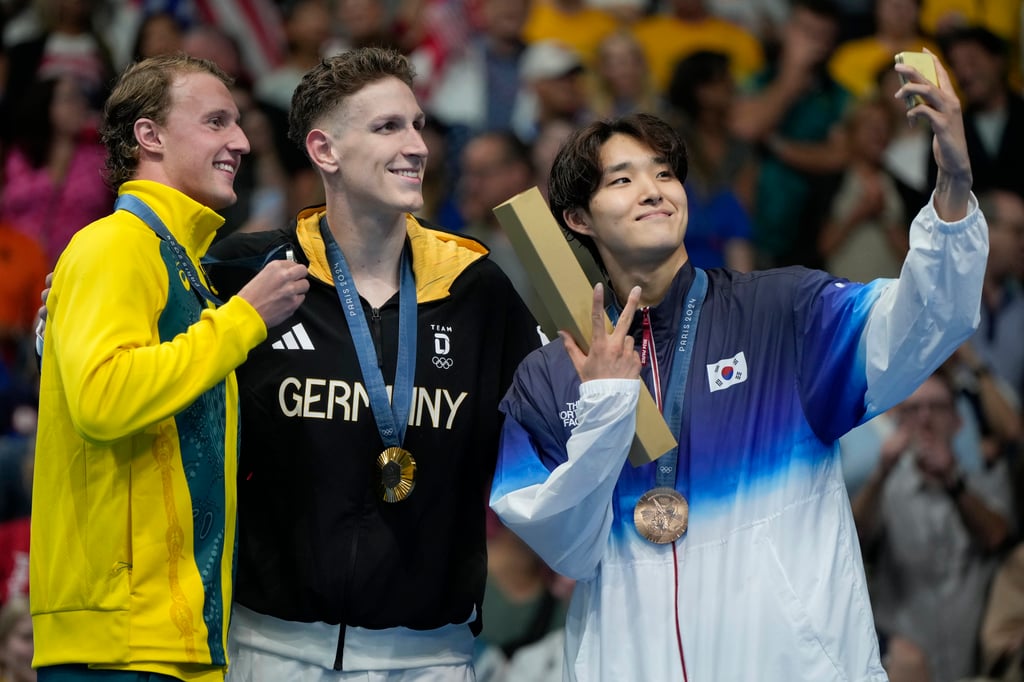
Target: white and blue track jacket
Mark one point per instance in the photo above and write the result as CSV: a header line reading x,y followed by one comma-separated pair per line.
x,y
767,584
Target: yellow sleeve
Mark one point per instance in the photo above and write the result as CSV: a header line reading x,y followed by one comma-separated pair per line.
x,y
110,288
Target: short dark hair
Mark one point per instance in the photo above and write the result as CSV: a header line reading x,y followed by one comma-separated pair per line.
x,y
979,35
692,73
576,171
143,91
329,83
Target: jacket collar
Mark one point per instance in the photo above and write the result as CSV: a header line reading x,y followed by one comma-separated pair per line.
x,y
437,257
191,223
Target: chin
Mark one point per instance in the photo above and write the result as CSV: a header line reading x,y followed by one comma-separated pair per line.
x,y
411,205
220,203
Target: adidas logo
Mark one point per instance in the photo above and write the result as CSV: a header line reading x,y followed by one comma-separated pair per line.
x,y
294,339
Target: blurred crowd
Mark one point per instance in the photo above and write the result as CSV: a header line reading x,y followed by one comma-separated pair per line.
x,y
799,154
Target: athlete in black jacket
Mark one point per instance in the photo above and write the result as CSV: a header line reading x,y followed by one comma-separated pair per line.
x,y
362,549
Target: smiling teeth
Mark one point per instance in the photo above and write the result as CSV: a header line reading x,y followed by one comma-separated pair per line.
x,y
407,173
225,166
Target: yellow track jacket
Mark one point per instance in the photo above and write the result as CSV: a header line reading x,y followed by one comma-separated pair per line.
x,y
133,520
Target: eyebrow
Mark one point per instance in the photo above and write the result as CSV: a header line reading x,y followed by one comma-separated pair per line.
x,y
226,113
384,118
619,167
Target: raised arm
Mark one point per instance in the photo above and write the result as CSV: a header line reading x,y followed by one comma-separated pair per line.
x,y
920,319
941,109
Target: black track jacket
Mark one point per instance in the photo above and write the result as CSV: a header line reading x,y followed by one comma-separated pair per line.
x,y
316,541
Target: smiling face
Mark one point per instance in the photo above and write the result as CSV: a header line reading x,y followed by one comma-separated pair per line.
x,y
377,148
201,143
638,215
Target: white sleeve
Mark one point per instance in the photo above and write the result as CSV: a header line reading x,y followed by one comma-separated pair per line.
x,y
934,306
567,517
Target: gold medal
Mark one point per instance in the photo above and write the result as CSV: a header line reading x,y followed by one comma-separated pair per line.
x,y
397,474
661,515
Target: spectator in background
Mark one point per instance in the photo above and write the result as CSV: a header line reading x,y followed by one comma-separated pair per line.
x,y
69,45
720,183
998,340
993,113
793,110
907,155
552,78
158,33
262,183
577,23
985,404
856,63
362,23
988,406
934,531
1002,628
620,81
53,172
520,601
687,27
761,18
550,139
207,41
865,233
479,89
1002,17
903,660
439,200
16,642
307,27
495,167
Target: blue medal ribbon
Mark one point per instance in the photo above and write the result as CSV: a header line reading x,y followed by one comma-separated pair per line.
x,y
142,211
676,390
393,417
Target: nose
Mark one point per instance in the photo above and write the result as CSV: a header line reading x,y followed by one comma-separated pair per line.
x,y
415,145
239,142
650,192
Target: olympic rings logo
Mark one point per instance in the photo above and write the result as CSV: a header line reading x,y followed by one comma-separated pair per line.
x,y
443,363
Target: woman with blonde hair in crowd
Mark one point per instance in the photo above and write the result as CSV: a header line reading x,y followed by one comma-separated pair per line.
x,y
621,83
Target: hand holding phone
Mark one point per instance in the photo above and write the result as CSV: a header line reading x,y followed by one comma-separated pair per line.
x,y
925,64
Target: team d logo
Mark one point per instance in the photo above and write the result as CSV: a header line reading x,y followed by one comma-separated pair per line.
x,y
727,372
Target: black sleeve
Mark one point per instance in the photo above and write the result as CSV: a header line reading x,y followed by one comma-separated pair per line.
x,y
233,261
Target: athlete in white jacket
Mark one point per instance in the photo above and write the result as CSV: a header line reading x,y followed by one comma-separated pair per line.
x,y
734,558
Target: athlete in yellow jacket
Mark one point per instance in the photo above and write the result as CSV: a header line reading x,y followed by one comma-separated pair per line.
x,y
133,523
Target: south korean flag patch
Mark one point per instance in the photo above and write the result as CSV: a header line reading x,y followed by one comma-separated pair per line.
x,y
727,372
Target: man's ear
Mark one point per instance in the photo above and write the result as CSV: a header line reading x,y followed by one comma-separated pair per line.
x,y
320,148
577,220
147,134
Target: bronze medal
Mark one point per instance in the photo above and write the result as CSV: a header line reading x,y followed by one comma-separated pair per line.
x,y
397,474
661,515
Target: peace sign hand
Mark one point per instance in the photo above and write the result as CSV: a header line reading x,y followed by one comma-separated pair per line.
x,y
611,356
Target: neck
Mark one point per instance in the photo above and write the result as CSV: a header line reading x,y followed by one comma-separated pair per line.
x,y
654,282
373,249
